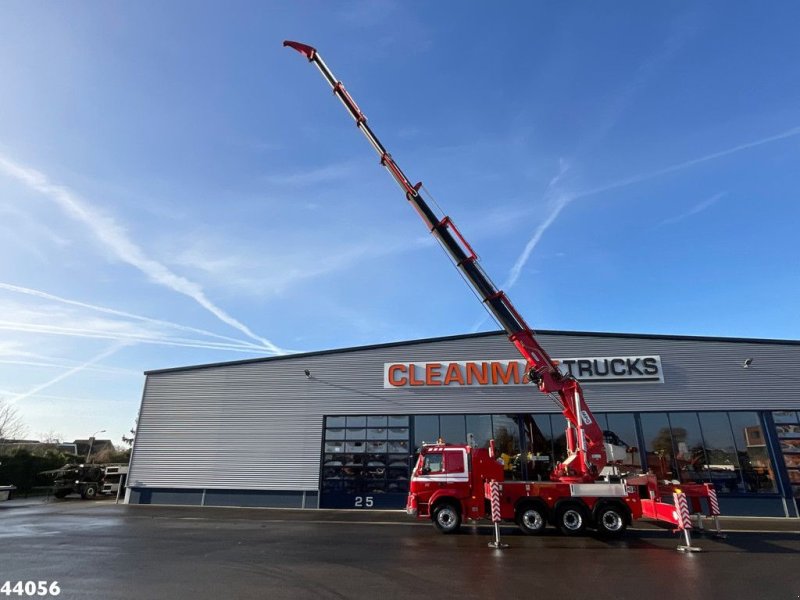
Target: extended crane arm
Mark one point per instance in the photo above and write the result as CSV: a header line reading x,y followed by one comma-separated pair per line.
x,y
584,437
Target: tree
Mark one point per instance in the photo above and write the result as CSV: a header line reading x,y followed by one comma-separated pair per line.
x,y
129,440
11,425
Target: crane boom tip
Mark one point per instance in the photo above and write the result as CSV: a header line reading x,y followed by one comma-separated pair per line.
x,y
304,49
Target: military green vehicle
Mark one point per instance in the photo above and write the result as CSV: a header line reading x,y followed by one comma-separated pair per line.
x,y
86,480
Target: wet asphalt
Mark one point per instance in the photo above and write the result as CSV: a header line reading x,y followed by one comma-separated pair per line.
x,y
99,550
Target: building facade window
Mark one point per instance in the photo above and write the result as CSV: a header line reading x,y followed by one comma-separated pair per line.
x,y
373,455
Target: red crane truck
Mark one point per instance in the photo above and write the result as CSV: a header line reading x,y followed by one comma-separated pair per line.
x,y
450,482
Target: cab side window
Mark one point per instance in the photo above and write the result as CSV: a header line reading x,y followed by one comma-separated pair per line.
x,y
433,463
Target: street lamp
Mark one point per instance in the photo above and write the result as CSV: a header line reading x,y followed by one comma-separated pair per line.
x,y
91,443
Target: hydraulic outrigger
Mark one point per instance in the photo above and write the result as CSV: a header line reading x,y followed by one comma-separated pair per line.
x,y
586,453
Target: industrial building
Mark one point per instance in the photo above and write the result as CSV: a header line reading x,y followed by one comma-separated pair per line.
x,y
340,428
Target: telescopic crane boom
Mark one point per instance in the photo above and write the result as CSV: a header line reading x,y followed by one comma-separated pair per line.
x,y
585,443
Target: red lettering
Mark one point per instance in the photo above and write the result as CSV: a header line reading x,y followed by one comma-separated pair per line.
x,y
412,380
477,374
433,374
393,379
453,374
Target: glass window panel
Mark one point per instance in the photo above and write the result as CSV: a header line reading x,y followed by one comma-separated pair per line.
x,y
377,421
333,460
723,462
507,444
335,422
359,421
398,433
785,416
398,460
625,447
398,421
376,447
356,433
559,426
658,445
426,429
334,446
690,454
480,428
601,420
453,429
538,446
354,447
377,434
758,473
334,434
376,460
398,446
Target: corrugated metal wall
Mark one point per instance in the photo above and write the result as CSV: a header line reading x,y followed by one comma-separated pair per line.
x,y
258,425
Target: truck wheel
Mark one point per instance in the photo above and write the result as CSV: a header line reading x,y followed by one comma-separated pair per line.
x,y
446,518
612,521
61,494
571,519
89,492
531,519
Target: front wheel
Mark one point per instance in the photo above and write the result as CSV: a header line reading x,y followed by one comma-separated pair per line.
x,y
447,519
89,493
611,521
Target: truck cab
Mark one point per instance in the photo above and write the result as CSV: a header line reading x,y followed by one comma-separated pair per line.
x,y
447,484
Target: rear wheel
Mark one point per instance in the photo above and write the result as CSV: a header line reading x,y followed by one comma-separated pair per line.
x,y
60,494
447,518
612,521
89,492
531,519
571,519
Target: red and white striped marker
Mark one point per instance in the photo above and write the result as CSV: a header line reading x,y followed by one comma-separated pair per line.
x,y
684,521
494,488
713,505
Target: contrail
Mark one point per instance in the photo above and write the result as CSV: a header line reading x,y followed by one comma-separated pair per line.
x,y
120,313
561,200
115,238
565,198
695,209
65,365
73,371
124,337
689,163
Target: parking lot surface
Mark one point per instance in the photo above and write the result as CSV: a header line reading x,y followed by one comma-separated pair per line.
x,y
98,550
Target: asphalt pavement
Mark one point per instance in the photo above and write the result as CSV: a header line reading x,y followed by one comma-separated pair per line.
x,y
100,550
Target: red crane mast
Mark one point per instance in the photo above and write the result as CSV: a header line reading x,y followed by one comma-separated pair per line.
x,y
585,444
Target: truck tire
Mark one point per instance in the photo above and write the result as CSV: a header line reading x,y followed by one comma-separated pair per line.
x,y
89,492
571,518
611,521
531,518
447,518
61,494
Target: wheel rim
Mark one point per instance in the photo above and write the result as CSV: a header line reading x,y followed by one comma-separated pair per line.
x,y
532,519
446,518
612,521
572,520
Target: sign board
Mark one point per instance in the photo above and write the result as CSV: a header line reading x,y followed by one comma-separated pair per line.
x,y
480,373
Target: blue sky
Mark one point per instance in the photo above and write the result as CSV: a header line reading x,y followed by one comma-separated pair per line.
x,y
176,188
